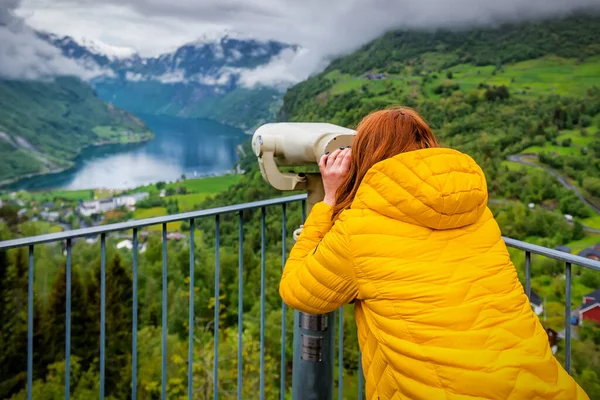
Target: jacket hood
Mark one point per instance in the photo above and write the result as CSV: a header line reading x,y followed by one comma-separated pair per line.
x,y
437,188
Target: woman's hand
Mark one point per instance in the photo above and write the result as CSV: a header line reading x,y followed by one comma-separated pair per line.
x,y
334,168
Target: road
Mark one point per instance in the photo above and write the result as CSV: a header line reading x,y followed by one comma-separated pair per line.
x,y
522,160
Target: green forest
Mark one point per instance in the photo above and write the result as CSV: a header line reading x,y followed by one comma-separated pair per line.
x,y
523,100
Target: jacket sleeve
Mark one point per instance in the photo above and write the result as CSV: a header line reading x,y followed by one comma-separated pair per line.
x,y
319,275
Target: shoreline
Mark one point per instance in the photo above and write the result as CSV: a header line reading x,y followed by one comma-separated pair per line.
x,y
12,181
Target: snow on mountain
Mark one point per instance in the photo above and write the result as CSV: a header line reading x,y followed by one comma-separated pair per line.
x,y
101,48
210,60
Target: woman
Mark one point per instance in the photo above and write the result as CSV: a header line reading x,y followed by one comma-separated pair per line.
x,y
404,230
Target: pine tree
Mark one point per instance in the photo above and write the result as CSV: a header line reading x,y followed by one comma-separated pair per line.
x,y
13,359
118,325
83,344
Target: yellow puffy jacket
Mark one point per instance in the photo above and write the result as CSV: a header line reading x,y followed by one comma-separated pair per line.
x,y
439,309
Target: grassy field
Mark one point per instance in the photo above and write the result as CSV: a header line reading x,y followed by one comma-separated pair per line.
x,y
563,151
515,166
592,222
105,131
209,185
577,138
588,241
187,202
144,213
116,134
546,75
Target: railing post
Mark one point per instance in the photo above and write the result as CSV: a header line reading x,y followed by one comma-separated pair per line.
x,y
568,317
314,350
314,342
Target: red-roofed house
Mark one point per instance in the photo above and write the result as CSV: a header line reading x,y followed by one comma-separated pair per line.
x,y
590,309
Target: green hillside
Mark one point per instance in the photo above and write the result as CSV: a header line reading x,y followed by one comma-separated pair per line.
x,y
242,107
44,125
530,88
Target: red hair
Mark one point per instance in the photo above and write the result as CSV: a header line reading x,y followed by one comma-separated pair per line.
x,y
381,135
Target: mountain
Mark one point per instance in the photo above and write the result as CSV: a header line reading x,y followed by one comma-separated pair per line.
x,y
45,124
206,78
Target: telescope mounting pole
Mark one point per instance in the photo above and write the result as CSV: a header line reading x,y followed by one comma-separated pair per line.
x,y
314,335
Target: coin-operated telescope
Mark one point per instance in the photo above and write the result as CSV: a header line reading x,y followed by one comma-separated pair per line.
x,y
296,144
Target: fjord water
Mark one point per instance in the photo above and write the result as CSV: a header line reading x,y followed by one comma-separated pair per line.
x,y
193,147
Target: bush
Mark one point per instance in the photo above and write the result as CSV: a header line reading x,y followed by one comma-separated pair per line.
x,y
445,90
592,185
552,160
567,142
572,205
172,207
578,231
498,93
150,202
585,121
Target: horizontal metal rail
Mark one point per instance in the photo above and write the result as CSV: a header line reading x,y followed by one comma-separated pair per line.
x,y
554,254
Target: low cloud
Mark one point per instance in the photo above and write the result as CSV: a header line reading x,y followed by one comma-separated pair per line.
x,y
283,70
133,77
172,77
24,56
216,80
326,29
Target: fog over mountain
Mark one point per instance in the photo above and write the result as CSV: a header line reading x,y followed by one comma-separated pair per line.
x,y
323,29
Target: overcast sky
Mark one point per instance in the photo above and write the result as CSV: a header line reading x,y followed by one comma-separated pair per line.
x,y
323,27
156,26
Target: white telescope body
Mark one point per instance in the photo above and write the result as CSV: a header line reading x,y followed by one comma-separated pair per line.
x,y
295,143
300,143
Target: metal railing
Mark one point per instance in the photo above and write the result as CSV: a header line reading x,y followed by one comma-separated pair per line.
x,y
31,242
569,260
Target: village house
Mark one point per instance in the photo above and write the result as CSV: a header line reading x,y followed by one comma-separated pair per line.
x,y
128,244
51,216
174,236
105,205
592,252
552,339
590,309
95,207
374,77
537,304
